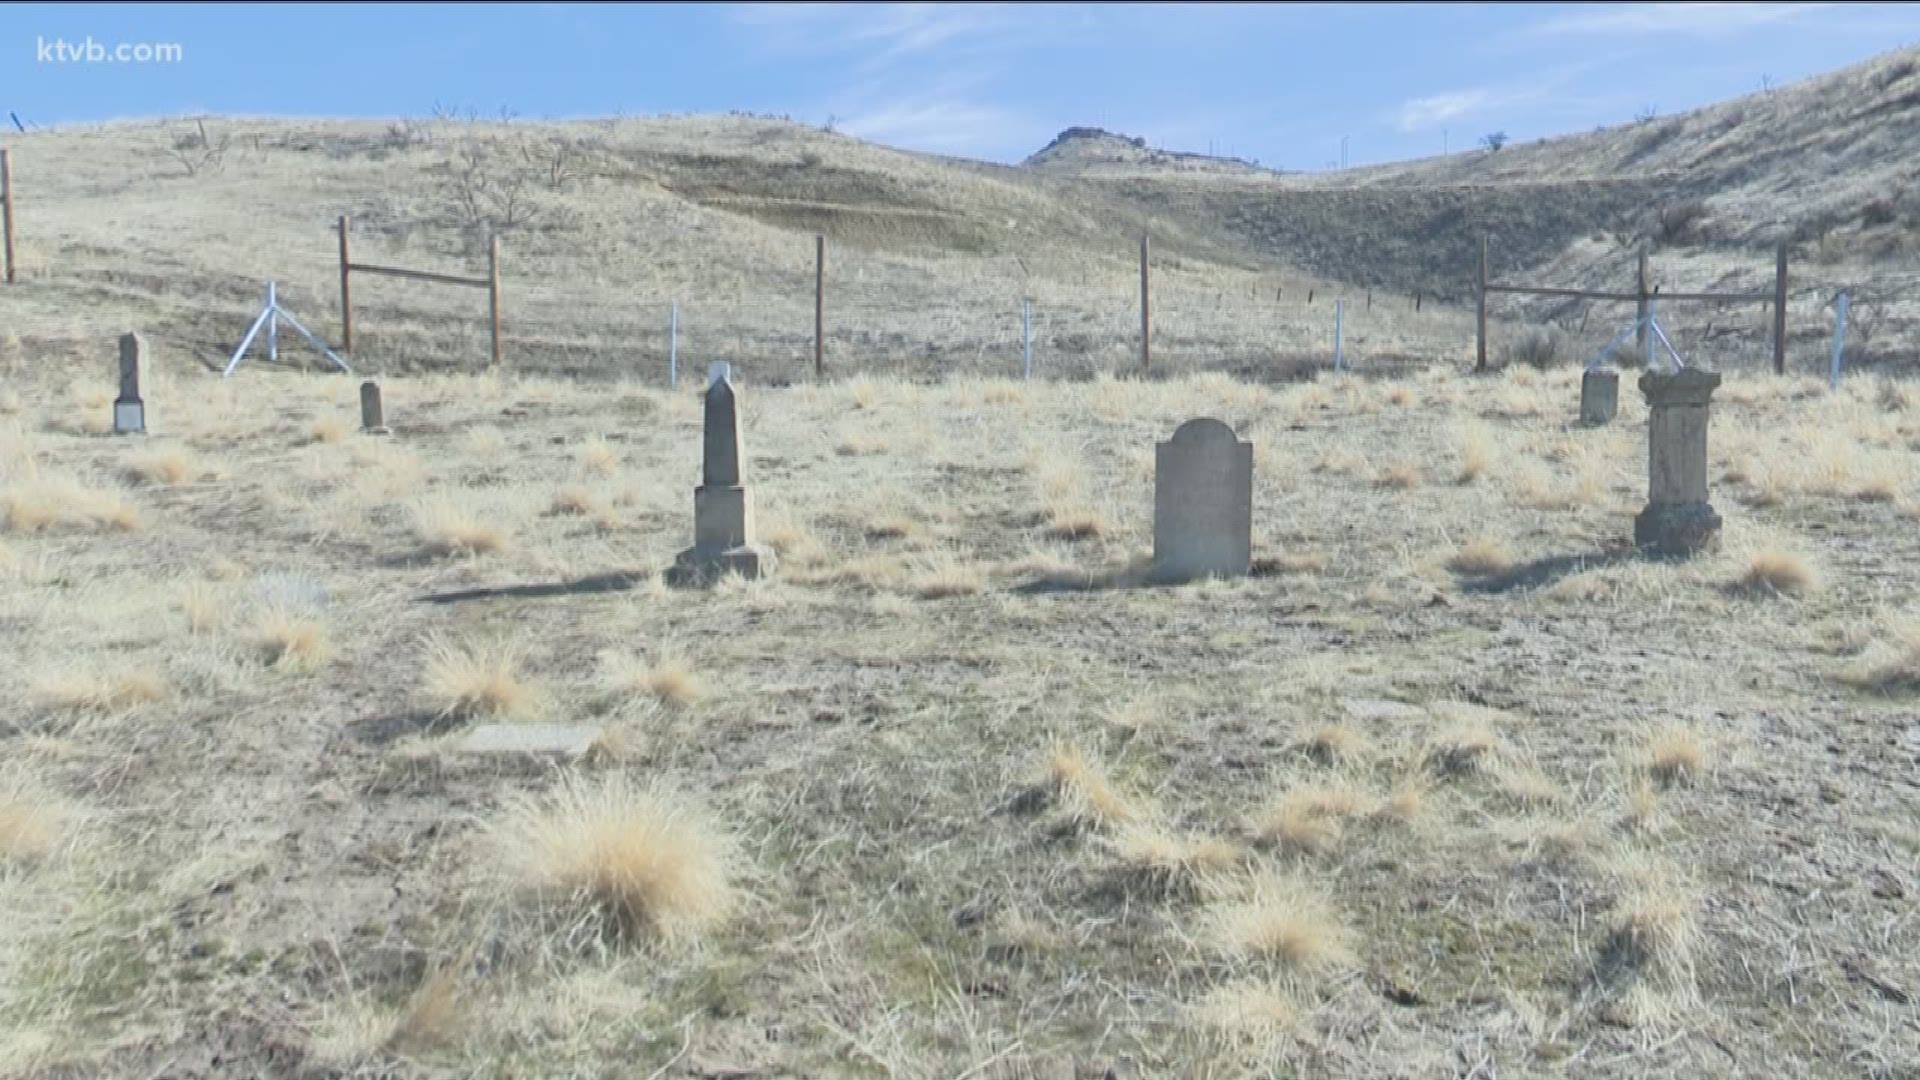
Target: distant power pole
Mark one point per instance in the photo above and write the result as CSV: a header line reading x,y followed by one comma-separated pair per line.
x,y
1343,151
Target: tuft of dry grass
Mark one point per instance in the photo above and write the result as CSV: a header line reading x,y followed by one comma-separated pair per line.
x,y
938,577
1310,819
1074,521
1464,745
892,525
287,640
576,499
165,465
1254,1014
44,505
1474,445
1481,556
329,429
77,689
1086,795
1780,572
1283,920
452,527
33,821
204,606
1400,476
1674,754
669,679
598,458
1892,664
474,680
647,857
1333,743
1173,859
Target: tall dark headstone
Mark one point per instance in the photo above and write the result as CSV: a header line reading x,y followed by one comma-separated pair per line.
x,y
722,507
129,412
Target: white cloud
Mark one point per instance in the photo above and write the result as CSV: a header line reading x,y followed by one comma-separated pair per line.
x,y
884,32
1434,110
1695,19
939,125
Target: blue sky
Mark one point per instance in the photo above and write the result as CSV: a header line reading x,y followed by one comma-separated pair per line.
x,y
1283,84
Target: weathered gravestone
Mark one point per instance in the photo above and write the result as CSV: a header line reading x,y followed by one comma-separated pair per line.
x,y
129,412
1202,503
1599,396
722,509
373,418
1678,520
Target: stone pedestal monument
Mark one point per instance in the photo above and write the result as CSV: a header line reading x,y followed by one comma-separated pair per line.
x,y
1678,519
1202,503
722,509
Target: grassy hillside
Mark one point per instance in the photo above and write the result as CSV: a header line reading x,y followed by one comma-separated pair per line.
x,y
172,227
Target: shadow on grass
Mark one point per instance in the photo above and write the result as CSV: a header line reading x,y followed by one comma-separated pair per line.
x,y
1546,571
599,583
1135,575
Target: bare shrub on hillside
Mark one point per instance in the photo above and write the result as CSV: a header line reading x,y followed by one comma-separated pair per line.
x,y
489,188
1538,347
1680,223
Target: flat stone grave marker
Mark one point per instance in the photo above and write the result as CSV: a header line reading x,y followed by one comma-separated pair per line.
x,y
1202,503
556,740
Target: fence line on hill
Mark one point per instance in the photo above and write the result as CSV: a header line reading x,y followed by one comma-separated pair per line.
x,y
1643,295
875,307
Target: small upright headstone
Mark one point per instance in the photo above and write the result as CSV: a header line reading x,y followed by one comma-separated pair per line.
x,y
129,412
1599,396
722,509
1678,519
1202,503
372,418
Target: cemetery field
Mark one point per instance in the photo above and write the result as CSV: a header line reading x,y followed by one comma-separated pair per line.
x,y
1452,785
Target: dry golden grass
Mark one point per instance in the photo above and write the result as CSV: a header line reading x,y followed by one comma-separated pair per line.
x,y
1170,858
1285,921
1253,1014
1655,932
76,688
893,525
1463,745
1482,556
1336,743
669,679
647,857
1085,794
1891,664
288,640
33,821
451,526
1779,571
1400,476
576,499
1066,521
329,429
475,680
166,465
1673,754
1311,818
46,505
1473,444
942,575
599,458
